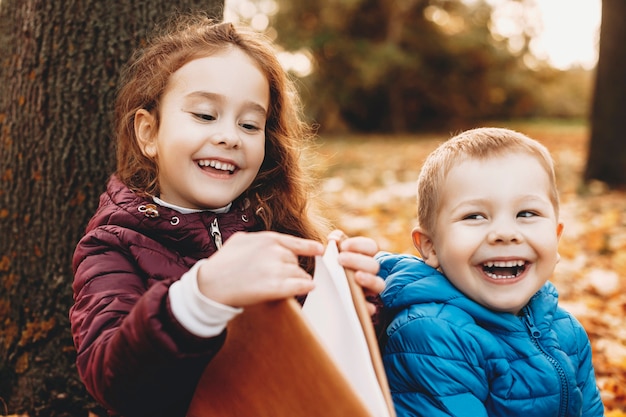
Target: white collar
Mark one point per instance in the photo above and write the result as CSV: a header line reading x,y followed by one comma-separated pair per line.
x,y
184,210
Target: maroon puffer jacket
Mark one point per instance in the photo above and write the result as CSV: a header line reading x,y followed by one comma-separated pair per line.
x,y
133,356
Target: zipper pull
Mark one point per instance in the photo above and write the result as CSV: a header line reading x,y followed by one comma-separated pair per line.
x,y
530,324
217,235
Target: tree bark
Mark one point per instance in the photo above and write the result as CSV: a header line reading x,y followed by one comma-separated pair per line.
x,y
58,74
398,13
607,148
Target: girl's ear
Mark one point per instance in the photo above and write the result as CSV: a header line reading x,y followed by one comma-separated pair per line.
x,y
424,245
145,131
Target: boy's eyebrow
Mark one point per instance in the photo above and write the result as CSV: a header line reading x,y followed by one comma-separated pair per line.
x,y
253,105
480,200
523,198
462,205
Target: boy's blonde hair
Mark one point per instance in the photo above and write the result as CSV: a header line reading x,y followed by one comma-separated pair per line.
x,y
480,143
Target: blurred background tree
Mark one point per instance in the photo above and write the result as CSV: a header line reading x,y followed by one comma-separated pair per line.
x,y
59,71
607,148
410,65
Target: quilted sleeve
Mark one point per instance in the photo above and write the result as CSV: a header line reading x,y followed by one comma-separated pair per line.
x,y
131,354
435,368
586,379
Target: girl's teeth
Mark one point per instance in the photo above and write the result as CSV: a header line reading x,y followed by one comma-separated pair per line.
x,y
222,166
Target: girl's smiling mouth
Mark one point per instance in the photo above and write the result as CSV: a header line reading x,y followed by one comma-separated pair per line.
x,y
504,269
213,164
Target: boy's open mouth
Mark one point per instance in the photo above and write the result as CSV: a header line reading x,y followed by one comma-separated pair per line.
x,y
211,164
504,269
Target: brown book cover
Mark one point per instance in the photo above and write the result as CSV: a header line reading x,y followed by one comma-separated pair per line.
x,y
275,363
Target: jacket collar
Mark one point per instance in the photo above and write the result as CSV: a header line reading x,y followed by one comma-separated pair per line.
x,y
189,233
411,281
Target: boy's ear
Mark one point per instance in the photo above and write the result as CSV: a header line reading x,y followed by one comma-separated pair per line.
x,y
145,131
424,245
559,230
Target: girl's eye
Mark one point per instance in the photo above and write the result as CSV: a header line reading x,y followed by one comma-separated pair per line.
x,y
250,127
206,117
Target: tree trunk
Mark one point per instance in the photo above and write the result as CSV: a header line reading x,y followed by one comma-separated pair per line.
x,y
398,17
59,68
607,148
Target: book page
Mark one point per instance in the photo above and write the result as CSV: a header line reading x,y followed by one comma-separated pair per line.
x,y
330,311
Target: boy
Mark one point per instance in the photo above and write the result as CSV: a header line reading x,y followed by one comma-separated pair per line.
x,y
477,330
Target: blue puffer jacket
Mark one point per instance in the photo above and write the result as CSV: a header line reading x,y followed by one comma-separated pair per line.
x,y
449,356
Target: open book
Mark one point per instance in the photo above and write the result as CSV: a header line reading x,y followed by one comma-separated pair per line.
x,y
283,360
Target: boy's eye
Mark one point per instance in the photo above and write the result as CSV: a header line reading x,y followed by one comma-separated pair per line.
x,y
474,216
526,213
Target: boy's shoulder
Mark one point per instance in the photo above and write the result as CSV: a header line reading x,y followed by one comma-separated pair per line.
x,y
409,280
397,262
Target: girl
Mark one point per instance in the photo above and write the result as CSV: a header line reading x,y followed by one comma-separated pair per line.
x,y
208,132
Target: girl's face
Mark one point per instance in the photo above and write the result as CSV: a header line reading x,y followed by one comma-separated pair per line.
x,y
211,140
496,235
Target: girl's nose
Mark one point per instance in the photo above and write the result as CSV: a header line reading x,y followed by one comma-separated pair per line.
x,y
226,134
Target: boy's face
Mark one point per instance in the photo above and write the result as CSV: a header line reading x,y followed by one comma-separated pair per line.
x,y
496,235
210,143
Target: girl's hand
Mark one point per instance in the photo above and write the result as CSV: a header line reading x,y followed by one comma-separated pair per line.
x,y
357,253
256,267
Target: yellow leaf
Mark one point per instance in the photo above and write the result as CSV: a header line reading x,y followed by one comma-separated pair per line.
x,y
595,240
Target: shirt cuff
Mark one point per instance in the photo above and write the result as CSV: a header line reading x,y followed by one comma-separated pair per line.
x,y
195,312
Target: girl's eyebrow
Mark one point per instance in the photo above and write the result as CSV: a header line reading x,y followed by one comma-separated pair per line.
x,y
252,105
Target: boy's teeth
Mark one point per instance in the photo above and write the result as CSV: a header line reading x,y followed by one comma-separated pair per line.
x,y
504,264
504,269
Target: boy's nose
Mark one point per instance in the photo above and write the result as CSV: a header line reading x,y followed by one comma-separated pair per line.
x,y
504,233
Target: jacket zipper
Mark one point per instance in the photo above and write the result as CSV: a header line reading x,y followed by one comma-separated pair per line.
x,y
535,336
216,234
